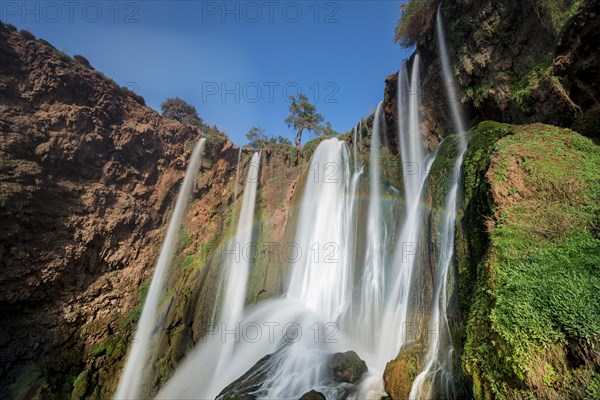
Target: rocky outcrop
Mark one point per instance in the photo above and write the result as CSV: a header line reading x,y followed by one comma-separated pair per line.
x,y
88,174
345,368
513,63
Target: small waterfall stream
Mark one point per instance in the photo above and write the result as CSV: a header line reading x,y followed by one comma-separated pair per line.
x,y
373,273
186,382
415,170
239,257
137,359
436,379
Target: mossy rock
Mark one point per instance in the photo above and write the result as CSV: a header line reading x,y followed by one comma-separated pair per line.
x,y
532,197
400,373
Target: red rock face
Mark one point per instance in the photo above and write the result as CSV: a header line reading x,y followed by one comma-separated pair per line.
x,y
86,176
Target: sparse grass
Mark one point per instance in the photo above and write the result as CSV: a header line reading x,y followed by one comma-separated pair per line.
x,y
529,84
554,14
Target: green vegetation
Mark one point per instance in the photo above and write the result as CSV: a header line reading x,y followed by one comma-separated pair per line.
x,y
137,311
80,386
303,116
416,18
4,82
179,110
534,324
128,92
10,27
555,13
258,139
528,85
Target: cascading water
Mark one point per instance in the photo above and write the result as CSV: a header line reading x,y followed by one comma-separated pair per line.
x,y
187,383
415,170
320,278
373,273
319,294
237,175
449,81
236,274
137,359
437,378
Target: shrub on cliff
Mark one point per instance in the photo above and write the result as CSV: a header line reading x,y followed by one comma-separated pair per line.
x,y
179,110
257,138
417,17
26,34
82,60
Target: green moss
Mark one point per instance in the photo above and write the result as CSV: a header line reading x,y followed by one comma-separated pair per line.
x,y
554,14
536,293
137,311
522,92
99,350
80,386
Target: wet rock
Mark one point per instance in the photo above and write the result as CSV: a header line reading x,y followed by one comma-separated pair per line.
x,y
313,395
346,367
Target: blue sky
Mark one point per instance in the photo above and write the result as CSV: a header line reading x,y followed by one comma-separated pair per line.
x,y
235,61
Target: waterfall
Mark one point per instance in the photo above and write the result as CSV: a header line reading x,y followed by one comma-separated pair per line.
x,y
239,261
219,352
415,170
449,82
137,359
237,175
437,378
238,267
319,295
360,136
411,149
320,278
355,146
373,273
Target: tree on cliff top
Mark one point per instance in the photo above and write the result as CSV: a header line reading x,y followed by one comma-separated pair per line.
x,y
181,111
303,116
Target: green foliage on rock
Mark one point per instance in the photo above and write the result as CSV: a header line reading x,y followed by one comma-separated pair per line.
x,y
532,195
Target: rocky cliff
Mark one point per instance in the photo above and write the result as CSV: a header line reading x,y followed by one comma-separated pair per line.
x,y
88,174
515,61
